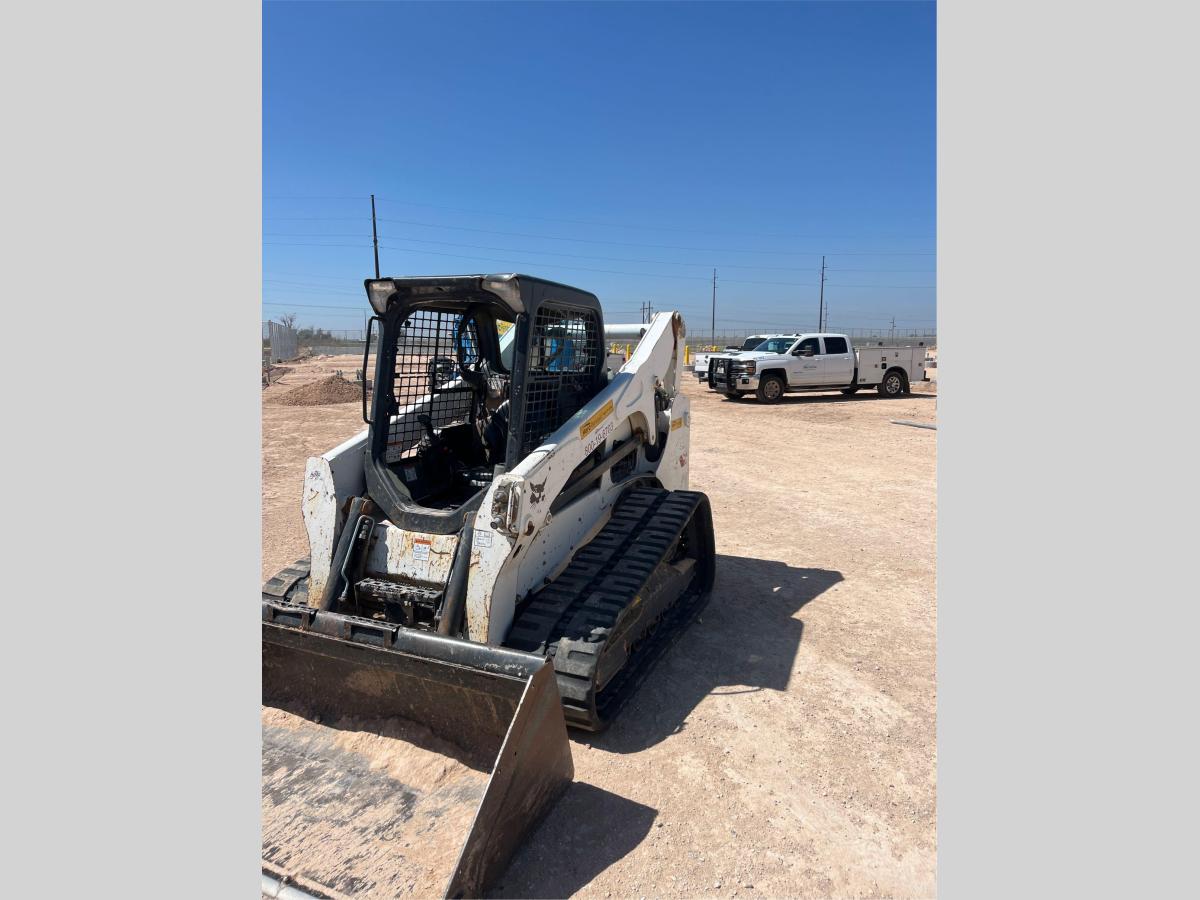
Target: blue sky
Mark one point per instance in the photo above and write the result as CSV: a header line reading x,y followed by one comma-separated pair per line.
x,y
625,148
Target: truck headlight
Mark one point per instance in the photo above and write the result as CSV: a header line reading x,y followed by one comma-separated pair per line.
x,y
747,368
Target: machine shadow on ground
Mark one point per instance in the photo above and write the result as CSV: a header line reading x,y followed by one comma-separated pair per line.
x,y
745,640
587,831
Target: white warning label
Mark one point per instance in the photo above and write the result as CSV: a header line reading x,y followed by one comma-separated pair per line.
x,y
421,548
483,538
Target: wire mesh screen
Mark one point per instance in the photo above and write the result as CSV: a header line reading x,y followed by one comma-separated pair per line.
x,y
564,358
431,345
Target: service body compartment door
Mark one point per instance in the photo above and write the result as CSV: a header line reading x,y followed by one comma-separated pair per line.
x,y
837,364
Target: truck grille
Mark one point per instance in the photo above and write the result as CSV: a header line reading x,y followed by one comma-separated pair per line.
x,y
718,372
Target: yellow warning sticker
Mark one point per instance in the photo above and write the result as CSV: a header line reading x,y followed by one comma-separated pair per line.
x,y
595,419
677,423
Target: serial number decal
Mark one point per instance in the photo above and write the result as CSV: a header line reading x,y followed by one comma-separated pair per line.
x,y
595,419
483,538
598,438
676,424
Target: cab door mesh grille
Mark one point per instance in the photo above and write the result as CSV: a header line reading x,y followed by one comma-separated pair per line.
x,y
563,363
426,378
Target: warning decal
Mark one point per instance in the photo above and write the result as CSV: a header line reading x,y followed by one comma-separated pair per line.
x,y
595,419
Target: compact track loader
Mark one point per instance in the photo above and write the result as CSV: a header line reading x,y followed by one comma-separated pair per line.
x,y
504,551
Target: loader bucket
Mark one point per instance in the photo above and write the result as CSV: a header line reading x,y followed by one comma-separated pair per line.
x,y
398,761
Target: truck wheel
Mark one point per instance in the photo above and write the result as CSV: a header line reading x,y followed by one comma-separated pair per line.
x,y
892,384
853,389
770,389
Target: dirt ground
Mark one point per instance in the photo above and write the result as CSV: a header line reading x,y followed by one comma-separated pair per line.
x,y
786,745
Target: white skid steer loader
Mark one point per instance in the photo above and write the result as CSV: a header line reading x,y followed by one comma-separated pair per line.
x,y
505,550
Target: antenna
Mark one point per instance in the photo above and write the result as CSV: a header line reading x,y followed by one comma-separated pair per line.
x,y
374,236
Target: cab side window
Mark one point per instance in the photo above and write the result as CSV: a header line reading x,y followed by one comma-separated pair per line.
x,y
835,345
807,344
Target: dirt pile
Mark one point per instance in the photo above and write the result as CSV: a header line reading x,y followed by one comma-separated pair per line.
x,y
334,389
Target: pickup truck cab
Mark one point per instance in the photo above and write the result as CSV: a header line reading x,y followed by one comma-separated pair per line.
x,y
817,362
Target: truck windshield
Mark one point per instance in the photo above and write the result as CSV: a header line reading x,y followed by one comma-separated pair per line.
x,y
775,345
752,343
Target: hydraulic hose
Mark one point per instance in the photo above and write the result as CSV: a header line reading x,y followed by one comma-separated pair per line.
x,y
456,586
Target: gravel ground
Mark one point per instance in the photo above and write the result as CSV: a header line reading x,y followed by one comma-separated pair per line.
x,y
786,744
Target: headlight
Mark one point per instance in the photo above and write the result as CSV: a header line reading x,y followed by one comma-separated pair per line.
x,y
747,368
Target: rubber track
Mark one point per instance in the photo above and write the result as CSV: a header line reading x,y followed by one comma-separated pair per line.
x,y
283,586
578,610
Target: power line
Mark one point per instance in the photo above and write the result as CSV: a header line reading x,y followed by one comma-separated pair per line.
x,y
298,197
512,262
552,237
306,305
301,292
354,278
633,225
922,287
660,262
638,225
883,271
305,284
622,311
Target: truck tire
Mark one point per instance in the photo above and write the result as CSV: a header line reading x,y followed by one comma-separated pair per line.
x,y
893,384
849,391
770,389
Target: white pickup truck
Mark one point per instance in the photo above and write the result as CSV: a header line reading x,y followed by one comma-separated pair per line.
x,y
700,367
817,362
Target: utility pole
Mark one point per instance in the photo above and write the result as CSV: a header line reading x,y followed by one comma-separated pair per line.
x,y
821,306
893,328
713,333
374,236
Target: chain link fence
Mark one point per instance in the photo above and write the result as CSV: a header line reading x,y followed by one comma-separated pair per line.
x,y
705,341
281,343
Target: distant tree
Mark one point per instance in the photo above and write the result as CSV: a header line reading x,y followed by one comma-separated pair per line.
x,y
288,320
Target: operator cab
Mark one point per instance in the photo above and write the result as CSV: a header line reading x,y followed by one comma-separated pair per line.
x,y
472,373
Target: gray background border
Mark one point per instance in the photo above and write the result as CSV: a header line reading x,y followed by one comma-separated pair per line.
x,y
1067,198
